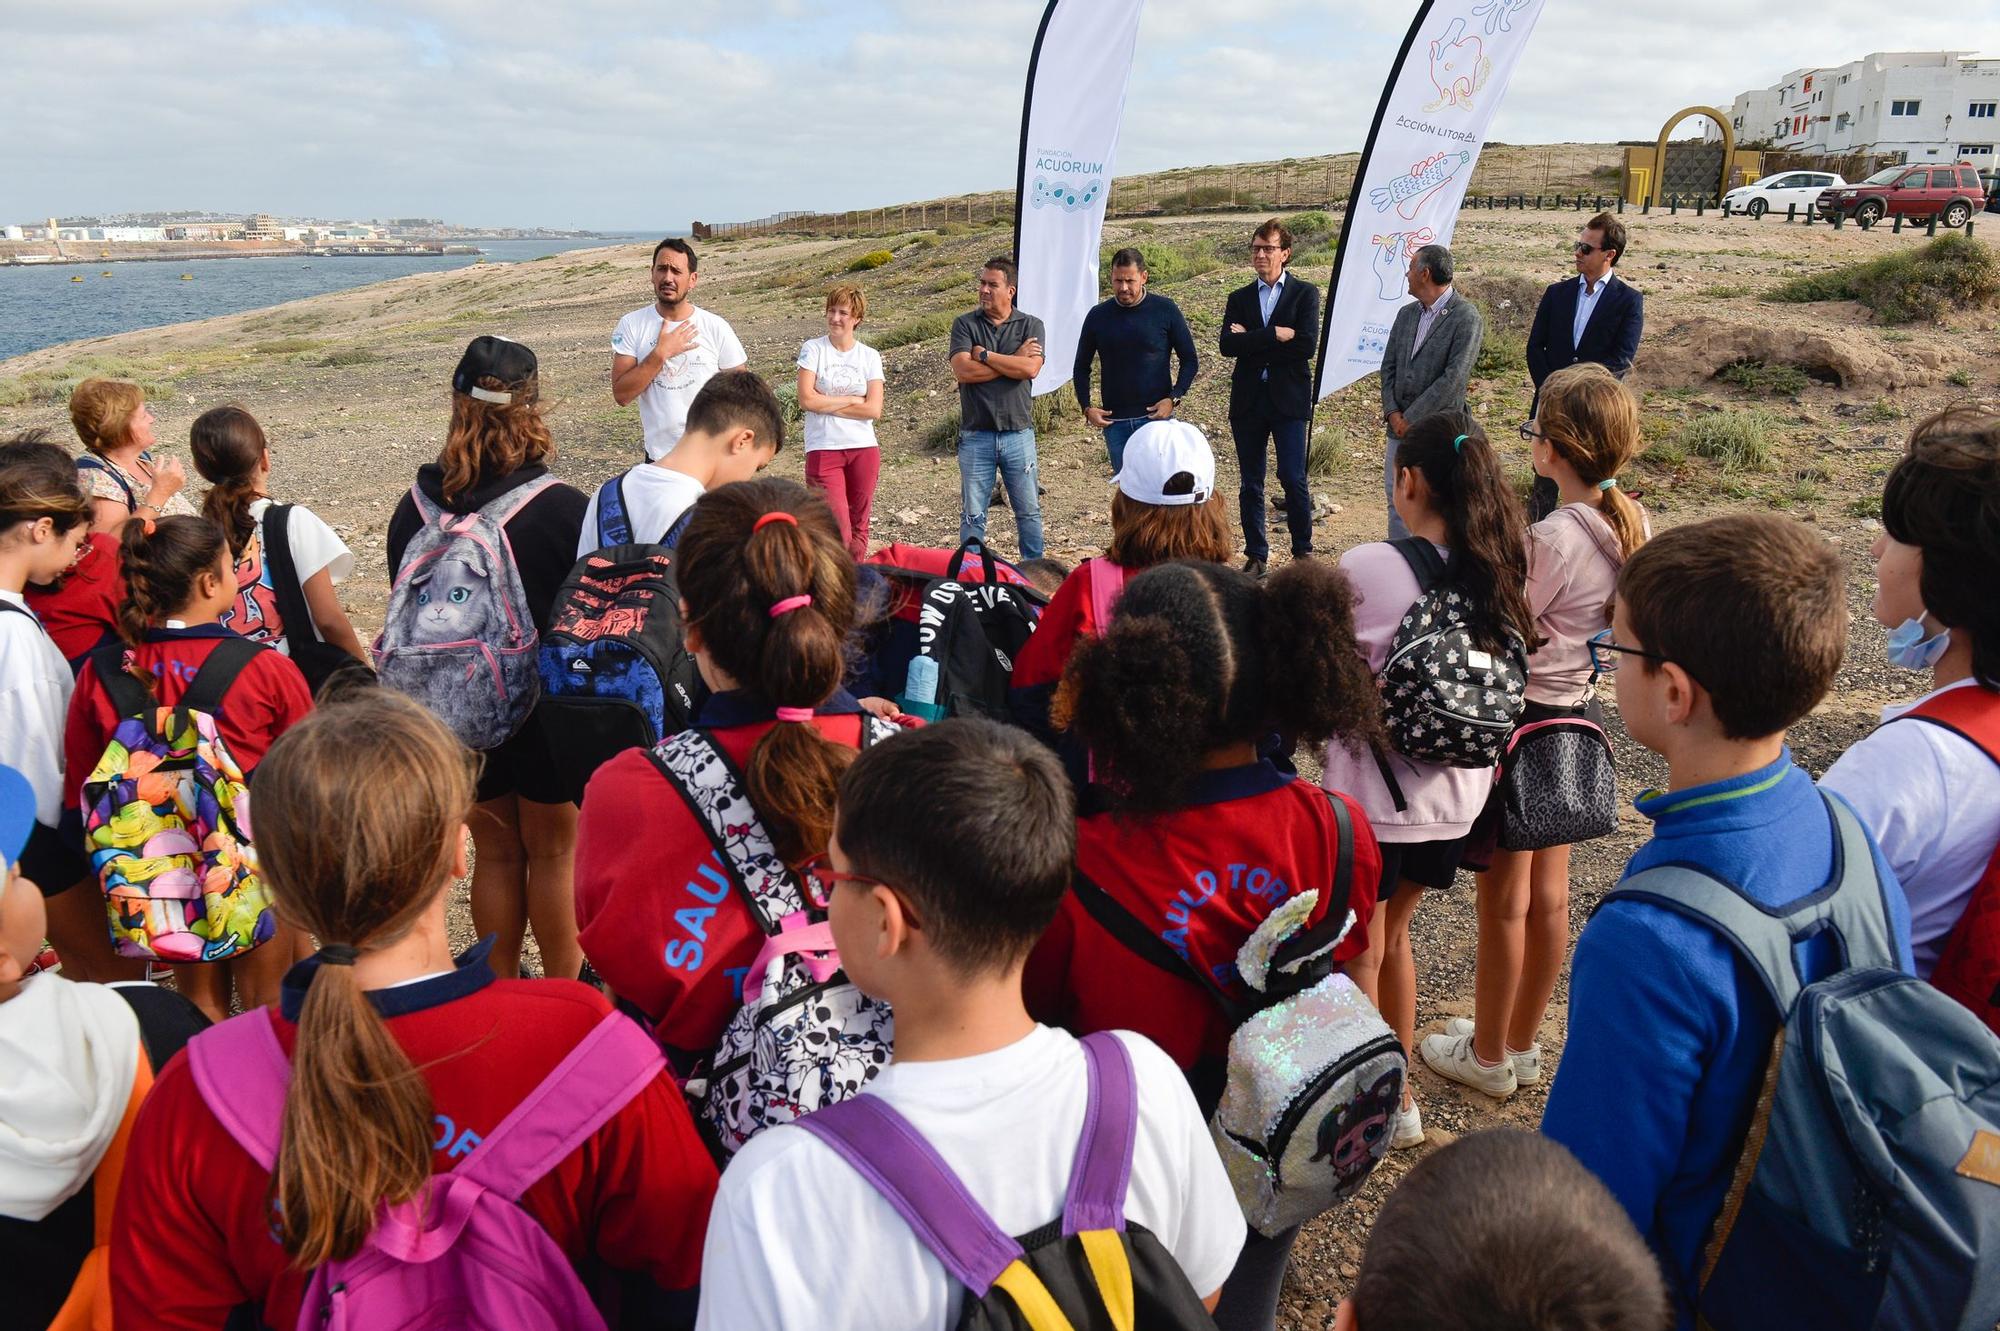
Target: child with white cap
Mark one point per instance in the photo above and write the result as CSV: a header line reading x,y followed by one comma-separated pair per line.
x,y
1166,508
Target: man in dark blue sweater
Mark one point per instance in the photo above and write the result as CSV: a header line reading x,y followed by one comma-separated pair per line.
x,y
1134,334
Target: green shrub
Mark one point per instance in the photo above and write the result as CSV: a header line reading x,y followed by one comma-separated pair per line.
x,y
345,357
1960,378
286,346
1867,506
1881,411
1165,263
1053,407
1507,300
1910,285
943,435
1310,229
1326,453
872,259
920,329
1735,440
788,402
1503,354
1756,376
1667,454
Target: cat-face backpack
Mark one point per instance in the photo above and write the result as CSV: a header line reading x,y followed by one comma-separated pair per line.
x,y
459,636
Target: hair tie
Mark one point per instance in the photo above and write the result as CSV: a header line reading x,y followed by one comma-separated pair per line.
x,y
789,604
795,713
775,515
1610,484
338,954
1458,444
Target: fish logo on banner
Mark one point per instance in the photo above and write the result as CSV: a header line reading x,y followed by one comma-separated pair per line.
x,y
1076,185
1456,62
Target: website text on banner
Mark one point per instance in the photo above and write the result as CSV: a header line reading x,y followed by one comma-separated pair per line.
x,y
1436,109
1069,134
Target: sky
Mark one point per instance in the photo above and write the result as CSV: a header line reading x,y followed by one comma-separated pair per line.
x,y
622,116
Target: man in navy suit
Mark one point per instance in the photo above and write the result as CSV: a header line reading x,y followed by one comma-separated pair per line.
x,y
1595,317
1270,329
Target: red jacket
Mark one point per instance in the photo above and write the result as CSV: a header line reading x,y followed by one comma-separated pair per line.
x,y
1204,876
264,702
659,914
83,610
193,1238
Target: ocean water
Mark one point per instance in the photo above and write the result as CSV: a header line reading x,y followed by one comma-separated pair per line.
x,y
40,306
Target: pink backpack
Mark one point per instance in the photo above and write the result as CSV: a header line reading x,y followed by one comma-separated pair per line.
x,y
462,1254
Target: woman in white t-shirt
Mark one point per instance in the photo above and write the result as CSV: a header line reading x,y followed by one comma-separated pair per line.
x,y
840,392
232,454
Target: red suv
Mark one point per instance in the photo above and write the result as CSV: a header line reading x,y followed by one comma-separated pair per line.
x,y
1949,193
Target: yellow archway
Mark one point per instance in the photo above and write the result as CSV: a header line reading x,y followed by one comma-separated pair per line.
x,y
1660,149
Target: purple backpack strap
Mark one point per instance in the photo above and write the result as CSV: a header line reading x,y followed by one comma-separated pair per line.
x,y
895,1159
1103,1167
242,1073
1107,581
606,1070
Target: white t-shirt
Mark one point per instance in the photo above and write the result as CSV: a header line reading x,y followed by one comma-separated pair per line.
x,y
655,498
663,407
314,547
798,1240
1932,799
35,685
839,374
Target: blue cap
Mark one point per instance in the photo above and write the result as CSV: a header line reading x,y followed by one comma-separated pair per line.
x,y
17,814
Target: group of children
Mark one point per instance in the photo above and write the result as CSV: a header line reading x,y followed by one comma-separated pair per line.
x,y
980,879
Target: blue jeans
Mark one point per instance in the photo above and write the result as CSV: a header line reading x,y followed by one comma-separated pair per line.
x,y
1252,435
1397,531
1010,453
1115,435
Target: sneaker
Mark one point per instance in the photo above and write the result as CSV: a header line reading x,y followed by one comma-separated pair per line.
x,y
1527,1067
1254,567
1451,1057
1407,1128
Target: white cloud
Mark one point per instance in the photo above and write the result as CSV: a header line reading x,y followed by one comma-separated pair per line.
x,y
602,113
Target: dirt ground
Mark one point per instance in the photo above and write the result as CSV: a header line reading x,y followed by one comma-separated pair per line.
x,y
352,388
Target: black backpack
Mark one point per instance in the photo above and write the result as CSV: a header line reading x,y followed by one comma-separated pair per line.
x,y
318,661
975,631
1445,698
615,670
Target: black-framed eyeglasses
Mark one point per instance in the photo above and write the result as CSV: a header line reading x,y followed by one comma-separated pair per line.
x,y
818,876
1530,433
1265,249
1604,653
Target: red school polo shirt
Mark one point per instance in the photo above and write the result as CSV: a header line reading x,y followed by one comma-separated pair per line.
x,y
192,1236
659,914
1204,877
267,699
81,611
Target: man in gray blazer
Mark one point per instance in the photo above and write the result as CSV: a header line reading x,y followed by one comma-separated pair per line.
x,y
1432,347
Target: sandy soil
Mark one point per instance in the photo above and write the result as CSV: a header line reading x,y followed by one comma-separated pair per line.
x,y
352,388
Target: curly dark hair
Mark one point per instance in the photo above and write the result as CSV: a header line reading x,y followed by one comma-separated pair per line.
x,y
1199,657
1485,529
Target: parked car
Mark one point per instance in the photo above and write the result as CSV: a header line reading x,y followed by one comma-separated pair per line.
x,y
1949,193
1799,189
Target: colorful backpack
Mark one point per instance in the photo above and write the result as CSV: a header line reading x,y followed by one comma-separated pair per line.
x,y
459,636
166,819
805,1037
615,671
1968,968
463,1253
1088,1268
1868,1191
1314,1073
1446,699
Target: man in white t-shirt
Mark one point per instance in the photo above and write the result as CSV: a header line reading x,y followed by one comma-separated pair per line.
x,y
938,920
734,429
663,354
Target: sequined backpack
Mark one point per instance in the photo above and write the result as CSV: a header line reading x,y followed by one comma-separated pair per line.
x,y
1446,698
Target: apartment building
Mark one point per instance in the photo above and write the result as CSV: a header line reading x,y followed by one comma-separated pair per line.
x,y
1923,105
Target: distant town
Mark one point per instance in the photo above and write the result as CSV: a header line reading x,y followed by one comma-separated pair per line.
x,y
197,235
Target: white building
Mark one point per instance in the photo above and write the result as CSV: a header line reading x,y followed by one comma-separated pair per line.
x,y
130,234
1923,105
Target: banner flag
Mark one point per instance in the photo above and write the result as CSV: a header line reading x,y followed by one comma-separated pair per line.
x,y
1449,78
1069,135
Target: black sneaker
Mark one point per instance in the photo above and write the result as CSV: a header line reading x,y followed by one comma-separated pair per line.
x,y
1254,567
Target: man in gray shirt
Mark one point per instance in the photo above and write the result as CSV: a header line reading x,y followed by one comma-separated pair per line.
x,y
1432,347
996,351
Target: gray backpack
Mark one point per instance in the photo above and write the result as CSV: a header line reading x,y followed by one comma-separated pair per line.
x,y
1868,1192
459,636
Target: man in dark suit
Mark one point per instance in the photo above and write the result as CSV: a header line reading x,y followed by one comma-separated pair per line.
x,y
1433,345
1593,317
1270,329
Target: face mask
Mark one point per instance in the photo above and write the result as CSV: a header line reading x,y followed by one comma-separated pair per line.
x,y
1910,649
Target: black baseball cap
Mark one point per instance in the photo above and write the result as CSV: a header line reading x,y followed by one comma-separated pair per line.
x,y
489,357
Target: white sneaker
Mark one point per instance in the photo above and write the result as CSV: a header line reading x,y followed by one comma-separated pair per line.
x,y
1451,1057
1407,1128
1527,1067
